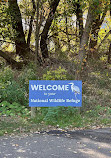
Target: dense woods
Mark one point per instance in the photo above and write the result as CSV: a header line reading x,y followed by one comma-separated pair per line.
x,y
70,27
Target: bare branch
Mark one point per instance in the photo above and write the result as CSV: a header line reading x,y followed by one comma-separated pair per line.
x,y
34,6
11,61
31,22
103,40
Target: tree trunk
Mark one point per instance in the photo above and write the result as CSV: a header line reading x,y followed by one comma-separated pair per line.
x,y
68,39
31,22
93,41
11,61
97,22
79,15
109,52
33,112
44,34
34,109
109,55
84,42
19,37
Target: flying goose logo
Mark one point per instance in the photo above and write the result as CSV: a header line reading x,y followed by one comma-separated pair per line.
x,y
75,89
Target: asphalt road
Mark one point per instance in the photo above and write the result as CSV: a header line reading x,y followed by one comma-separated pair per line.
x,y
58,144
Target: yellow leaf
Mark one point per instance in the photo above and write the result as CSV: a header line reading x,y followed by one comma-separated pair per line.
x,y
90,34
107,74
84,60
92,49
95,47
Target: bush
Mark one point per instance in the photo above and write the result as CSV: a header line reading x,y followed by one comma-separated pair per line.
x,y
6,75
13,109
14,87
25,76
58,114
59,74
13,92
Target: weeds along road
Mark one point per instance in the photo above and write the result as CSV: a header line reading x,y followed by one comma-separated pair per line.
x,y
58,144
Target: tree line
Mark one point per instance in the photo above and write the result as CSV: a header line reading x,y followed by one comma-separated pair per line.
x,y
42,19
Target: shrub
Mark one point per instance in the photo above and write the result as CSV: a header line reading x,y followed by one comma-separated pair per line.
x,y
13,109
25,76
55,115
59,74
14,87
6,74
12,92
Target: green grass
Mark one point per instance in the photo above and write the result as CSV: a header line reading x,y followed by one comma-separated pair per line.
x,y
12,125
98,117
8,128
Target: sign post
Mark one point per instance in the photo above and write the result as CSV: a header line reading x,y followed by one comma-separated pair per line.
x,y
51,93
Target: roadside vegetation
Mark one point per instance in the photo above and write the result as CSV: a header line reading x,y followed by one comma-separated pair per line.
x,y
54,40
15,113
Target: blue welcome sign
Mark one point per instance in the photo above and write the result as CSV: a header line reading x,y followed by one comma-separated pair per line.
x,y
51,93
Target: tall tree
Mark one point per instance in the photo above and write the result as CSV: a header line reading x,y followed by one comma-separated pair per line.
x,y
84,40
19,37
22,47
97,22
79,14
109,52
44,34
31,23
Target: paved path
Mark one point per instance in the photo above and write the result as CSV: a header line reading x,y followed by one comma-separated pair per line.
x,y
58,144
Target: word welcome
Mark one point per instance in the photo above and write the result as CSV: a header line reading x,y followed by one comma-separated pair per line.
x,y
50,87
